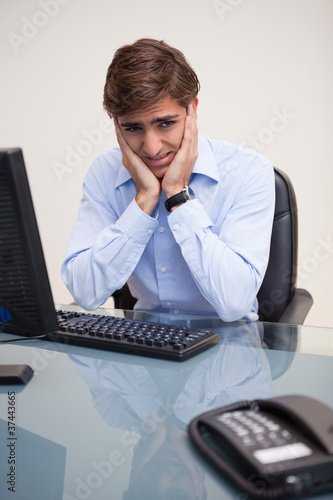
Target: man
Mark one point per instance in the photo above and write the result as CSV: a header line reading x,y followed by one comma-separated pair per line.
x,y
184,220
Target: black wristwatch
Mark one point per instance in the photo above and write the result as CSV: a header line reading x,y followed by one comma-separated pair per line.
x,y
179,198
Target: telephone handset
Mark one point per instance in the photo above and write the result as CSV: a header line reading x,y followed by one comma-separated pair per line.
x,y
273,448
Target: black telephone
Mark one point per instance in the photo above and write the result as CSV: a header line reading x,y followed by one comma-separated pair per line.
x,y
273,448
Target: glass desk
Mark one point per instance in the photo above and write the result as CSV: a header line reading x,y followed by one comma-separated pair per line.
x,y
99,425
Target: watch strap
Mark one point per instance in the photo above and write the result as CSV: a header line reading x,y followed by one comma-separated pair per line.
x,y
179,198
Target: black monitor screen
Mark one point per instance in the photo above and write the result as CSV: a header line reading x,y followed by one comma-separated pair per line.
x,y
25,293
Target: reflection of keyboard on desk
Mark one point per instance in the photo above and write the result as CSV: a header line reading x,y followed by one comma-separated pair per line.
x,y
132,336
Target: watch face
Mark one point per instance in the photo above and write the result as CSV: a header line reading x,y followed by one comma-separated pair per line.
x,y
185,196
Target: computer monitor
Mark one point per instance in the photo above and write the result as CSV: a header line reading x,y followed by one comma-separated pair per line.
x,y
25,291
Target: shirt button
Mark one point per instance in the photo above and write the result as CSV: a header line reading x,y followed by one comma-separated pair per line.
x,y
161,229
176,311
150,231
168,304
176,227
163,269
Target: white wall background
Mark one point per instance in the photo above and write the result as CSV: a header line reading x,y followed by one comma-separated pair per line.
x,y
266,73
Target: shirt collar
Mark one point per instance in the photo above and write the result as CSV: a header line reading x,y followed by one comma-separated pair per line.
x,y
123,174
205,164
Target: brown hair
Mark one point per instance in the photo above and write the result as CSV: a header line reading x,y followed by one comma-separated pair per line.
x,y
143,73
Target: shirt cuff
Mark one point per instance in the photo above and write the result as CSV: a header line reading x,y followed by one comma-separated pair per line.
x,y
188,219
137,224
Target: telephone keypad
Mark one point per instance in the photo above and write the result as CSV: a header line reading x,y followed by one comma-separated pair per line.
x,y
254,429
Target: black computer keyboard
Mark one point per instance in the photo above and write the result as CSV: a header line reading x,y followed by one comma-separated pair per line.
x,y
132,336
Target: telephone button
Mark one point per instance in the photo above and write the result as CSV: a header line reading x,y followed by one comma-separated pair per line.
x,y
241,431
248,441
273,427
257,429
286,434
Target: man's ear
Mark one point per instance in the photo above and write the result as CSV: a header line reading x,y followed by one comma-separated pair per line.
x,y
195,104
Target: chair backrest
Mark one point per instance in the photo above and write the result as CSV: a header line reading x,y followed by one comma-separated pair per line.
x,y
279,283
123,298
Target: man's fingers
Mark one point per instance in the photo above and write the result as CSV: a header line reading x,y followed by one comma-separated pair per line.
x,y
120,138
129,157
190,138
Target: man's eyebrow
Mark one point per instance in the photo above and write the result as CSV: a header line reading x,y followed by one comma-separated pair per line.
x,y
161,119
130,124
164,119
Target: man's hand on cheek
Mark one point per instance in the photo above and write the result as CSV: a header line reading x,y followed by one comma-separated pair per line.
x,y
179,172
147,185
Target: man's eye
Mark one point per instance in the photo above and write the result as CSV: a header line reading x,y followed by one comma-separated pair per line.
x,y
167,124
132,129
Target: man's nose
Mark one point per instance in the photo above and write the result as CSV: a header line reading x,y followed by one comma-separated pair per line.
x,y
152,144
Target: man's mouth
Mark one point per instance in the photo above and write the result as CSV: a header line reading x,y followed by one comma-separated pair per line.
x,y
156,158
158,161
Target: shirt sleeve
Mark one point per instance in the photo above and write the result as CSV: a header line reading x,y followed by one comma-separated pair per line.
x,y
228,264
104,246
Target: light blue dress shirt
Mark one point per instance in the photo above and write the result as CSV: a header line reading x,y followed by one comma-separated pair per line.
x,y
208,256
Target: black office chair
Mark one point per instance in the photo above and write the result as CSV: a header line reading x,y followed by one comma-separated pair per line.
x,y
279,299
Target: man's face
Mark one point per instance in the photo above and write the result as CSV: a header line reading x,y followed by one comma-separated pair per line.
x,y
155,133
